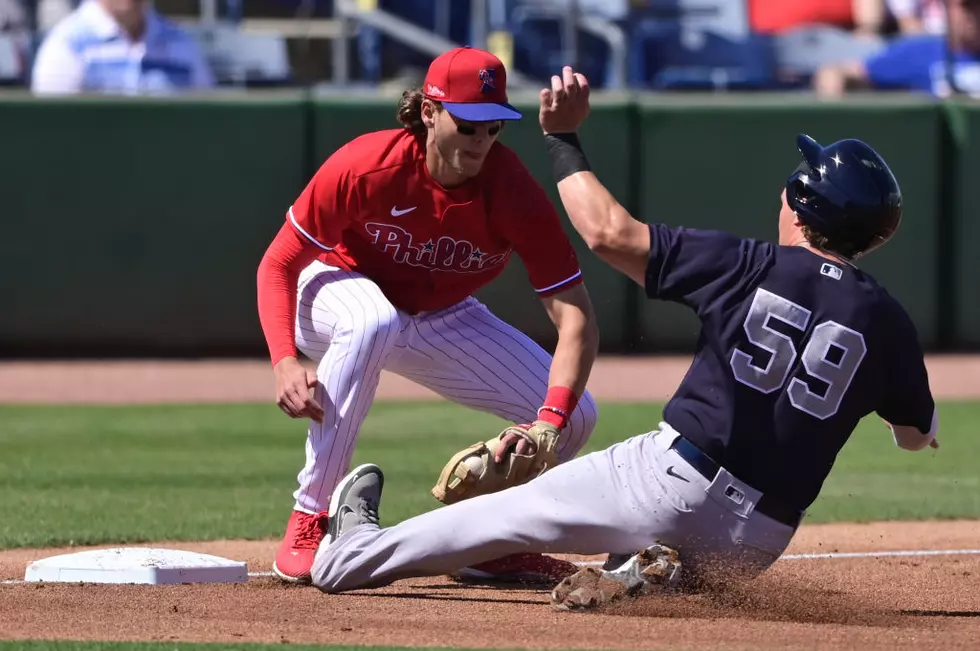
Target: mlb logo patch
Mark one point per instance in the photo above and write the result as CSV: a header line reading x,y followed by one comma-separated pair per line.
x,y
486,80
734,494
831,271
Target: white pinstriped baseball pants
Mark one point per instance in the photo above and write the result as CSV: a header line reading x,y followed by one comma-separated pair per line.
x,y
464,353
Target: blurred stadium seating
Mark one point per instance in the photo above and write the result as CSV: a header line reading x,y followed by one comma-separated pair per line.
x,y
12,63
706,45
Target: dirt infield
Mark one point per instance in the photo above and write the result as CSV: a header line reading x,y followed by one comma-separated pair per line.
x,y
874,601
613,379
861,603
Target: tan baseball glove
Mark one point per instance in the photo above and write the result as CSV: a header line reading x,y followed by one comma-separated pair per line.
x,y
473,471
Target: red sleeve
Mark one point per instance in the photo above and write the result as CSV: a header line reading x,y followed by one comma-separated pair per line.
x,y
325,207
538,237
316,223
278,274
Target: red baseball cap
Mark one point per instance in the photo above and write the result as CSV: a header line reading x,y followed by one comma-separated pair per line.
x,y
471,84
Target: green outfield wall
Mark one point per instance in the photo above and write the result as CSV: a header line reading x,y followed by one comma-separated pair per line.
x,y
135,226
960,257
138,225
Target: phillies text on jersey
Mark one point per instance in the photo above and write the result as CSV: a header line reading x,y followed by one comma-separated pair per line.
x,y
446,254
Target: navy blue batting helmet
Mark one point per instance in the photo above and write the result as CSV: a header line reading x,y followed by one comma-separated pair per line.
x,y
845,192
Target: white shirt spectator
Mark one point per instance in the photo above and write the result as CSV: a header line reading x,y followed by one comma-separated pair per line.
x,y
89,52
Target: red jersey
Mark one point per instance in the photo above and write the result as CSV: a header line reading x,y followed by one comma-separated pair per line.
x,y
374,208
775,16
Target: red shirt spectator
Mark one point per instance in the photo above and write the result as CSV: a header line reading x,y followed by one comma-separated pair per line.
x,y
774,16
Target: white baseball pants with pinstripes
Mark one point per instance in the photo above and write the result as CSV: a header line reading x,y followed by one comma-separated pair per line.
x,y
464,353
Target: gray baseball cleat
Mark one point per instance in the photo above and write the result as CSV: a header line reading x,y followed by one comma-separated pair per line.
x,y
655,569
355,501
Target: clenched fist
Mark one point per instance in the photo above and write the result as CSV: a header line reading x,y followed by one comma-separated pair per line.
x,y
294,390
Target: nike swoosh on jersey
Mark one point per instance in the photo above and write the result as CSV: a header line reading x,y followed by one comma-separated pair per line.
x,y
395,212
673,473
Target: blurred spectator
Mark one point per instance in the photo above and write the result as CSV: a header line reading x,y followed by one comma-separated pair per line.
x,y
810,34
920,63
864,17
119,46
918,16
11,15
14,42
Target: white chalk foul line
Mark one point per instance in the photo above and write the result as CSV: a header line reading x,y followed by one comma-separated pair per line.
x,y
785,557
835,555
917,552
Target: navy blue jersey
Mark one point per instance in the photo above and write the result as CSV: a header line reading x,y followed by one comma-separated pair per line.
x,y
794,350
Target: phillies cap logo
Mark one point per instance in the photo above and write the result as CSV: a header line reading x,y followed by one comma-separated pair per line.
x,y
486,78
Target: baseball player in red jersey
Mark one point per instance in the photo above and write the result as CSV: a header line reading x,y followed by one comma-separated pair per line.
x,y
375,268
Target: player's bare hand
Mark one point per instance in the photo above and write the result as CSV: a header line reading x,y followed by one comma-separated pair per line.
x,y
934,444
513,443
565,105
294,390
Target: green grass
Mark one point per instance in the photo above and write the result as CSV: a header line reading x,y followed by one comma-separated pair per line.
x,y
875,480
90,475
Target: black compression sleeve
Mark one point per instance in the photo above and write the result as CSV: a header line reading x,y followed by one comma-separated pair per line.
x,y
566,155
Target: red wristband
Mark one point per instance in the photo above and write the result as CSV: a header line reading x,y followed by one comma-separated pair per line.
x,y
558,406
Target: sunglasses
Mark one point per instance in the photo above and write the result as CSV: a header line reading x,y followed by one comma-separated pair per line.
x,y
469,129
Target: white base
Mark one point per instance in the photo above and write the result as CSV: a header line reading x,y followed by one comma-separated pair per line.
x,y
136,565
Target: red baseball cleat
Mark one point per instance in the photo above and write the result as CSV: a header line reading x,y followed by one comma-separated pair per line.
x,y
519,568
295,556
